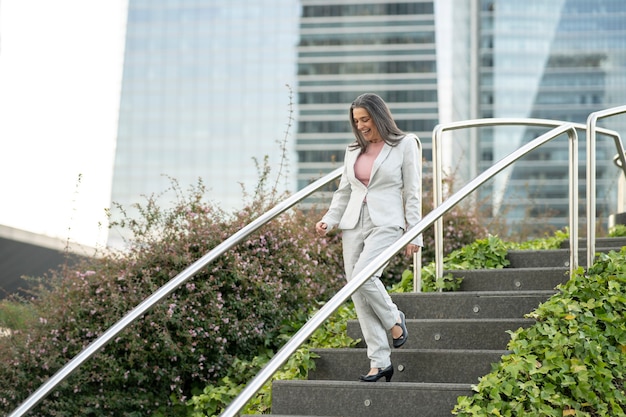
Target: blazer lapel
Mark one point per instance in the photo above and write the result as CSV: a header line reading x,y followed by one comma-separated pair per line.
x,y
350,161
384,152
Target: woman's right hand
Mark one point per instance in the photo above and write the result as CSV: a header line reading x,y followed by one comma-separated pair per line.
x,y
321,228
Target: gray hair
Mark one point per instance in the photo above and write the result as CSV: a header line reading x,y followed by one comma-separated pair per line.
x,y
382,118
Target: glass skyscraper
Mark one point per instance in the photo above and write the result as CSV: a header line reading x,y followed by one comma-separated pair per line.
x,y
559,60
206,88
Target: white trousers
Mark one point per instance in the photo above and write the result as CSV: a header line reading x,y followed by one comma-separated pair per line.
x,y
375,310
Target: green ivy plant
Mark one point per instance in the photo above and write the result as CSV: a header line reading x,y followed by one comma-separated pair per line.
x,y
545,243
619,230
572,362
486,253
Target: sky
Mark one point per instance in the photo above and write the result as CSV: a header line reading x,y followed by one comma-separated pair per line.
x,y
60,82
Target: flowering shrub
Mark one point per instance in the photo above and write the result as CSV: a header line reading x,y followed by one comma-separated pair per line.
x,y
241,304
230,309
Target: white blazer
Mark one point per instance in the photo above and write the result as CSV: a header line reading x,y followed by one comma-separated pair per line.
x,y
393,194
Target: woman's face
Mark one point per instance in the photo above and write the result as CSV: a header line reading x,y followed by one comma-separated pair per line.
x,y
365,125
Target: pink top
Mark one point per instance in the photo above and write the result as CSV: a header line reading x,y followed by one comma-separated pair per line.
x,y
365,162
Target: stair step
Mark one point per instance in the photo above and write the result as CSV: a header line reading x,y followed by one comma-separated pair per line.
x,y
454,337
410,365
602,242
556,258
360,399
490,334
470,304
551,257
509,279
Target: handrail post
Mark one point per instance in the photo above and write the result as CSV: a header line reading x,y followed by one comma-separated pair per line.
x,y
438,198
620,162
417,271
573,198
417,256
592,130
591,188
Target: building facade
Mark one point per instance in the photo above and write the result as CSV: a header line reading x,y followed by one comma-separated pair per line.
x,y
558,60
349,47
206,90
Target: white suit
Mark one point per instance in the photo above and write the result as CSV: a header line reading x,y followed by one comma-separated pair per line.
x,y
372,218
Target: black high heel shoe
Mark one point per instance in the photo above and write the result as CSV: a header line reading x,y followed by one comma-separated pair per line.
x,y
387,373
405,333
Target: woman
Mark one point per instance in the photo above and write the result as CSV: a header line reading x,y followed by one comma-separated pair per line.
x,y
376,201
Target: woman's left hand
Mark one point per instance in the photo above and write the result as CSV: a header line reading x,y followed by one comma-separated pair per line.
x,y
411,249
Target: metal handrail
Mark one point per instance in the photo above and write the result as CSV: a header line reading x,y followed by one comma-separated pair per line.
x,y
438,172
326,311
335,302
592,120
621,187
167,289
417,256
182,277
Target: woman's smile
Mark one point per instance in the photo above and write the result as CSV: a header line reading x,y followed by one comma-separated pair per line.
x,y
365,125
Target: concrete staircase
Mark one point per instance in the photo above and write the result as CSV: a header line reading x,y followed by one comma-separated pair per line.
x,y
453,340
